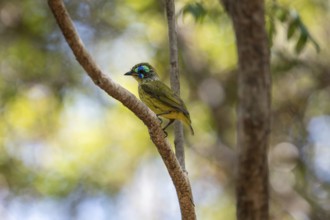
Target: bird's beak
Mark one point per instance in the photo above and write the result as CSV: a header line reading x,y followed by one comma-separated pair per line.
x,y
131,73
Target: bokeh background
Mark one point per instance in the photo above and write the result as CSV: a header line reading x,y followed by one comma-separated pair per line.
x,y
69,151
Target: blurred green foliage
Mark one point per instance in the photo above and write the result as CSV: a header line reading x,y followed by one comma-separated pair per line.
x,y
295,26
61,136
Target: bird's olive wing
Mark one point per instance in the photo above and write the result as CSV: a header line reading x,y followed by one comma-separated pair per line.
x,y
163,93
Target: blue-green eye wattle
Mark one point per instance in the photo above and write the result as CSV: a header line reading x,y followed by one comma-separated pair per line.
x,y
142,68
141,75
146,68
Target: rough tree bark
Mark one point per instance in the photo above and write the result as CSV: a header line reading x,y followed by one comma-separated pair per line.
x,y
175,78
180,180
253,107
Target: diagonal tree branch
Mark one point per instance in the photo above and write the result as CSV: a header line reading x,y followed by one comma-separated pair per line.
x,y
175,78
180,180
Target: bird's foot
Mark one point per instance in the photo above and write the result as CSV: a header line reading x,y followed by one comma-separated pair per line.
x,y
160,120
165,133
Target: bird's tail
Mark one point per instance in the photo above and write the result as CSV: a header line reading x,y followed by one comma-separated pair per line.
x,y
192,130
187,121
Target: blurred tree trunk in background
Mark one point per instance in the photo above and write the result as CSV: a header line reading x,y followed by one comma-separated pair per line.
x,y
253,108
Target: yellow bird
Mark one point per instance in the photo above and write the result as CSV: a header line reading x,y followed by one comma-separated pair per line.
x,y
158,96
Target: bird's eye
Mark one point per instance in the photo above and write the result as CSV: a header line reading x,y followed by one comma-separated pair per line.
x,y
140,69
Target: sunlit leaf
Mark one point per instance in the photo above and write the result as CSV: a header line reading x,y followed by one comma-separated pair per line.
x,y
282,14
292,29
196,9
296,29
315,44
301,43
271,33
304,31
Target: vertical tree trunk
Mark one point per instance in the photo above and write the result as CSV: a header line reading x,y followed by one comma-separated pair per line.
x,y
253,107
175,78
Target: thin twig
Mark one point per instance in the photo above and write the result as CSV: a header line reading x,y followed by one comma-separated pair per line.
x,y
175,78
180,180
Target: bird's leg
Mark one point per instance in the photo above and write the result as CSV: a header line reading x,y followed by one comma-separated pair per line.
x,y
165,133
160,120
168,124
160,114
